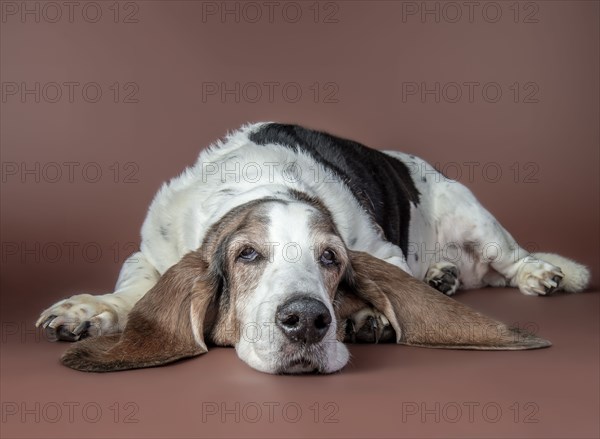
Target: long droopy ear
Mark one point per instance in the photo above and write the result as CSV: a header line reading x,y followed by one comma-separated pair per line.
x,y
422,316
165,325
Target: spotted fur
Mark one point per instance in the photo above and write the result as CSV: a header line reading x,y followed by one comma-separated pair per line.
x,y
295,196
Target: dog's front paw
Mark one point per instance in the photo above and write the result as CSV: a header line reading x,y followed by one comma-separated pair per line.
x,y
443,276
78,317
368,326
536,277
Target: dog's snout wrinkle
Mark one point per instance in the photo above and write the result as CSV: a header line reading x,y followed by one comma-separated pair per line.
x,y
304,320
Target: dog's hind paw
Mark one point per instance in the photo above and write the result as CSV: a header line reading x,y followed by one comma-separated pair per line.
x,y
537,277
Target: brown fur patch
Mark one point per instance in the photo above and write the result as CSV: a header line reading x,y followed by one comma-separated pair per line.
x,y
159,329
246,226
422,316
161,326
197,298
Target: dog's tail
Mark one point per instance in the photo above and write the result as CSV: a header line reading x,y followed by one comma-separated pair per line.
x,y
577,276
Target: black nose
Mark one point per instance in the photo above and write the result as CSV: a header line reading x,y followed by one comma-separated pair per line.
x,y
303,320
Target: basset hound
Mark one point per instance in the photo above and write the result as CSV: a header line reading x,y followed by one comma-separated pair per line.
x,y
286,243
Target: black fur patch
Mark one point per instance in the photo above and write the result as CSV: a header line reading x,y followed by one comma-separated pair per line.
x,y
381,183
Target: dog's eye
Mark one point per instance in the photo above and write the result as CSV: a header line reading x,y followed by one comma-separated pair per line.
x,y
248,254
328,257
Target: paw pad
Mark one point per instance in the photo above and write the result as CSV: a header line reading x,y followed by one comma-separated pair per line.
x,y
78,317
368,326
443,277
537,277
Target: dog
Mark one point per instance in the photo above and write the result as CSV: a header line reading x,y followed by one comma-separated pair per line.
x,y
286,243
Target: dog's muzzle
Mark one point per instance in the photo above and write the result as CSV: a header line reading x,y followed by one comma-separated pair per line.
x,y
303,320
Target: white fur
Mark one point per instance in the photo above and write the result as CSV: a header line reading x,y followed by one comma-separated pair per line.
x,y
292,270
449,221
577,276
447,226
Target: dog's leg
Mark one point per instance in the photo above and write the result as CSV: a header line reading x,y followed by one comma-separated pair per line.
x,y
501,261
543,273
456,230
85,315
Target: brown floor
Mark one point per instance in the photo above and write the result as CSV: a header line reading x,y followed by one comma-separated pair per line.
x,y
386,390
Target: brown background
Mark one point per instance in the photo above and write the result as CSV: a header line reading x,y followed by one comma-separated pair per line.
x,y
361,55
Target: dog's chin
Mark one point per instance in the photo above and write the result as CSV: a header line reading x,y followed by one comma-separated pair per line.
x,y
301,366
322,358
326,357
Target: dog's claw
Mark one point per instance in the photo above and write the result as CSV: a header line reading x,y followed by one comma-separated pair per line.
x,y
351,330
82,328
46,322
552,284
537,277
66,335
374,328
368,326
443,276
60,333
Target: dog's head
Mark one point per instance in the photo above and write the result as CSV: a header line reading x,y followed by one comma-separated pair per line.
x,y
274,279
